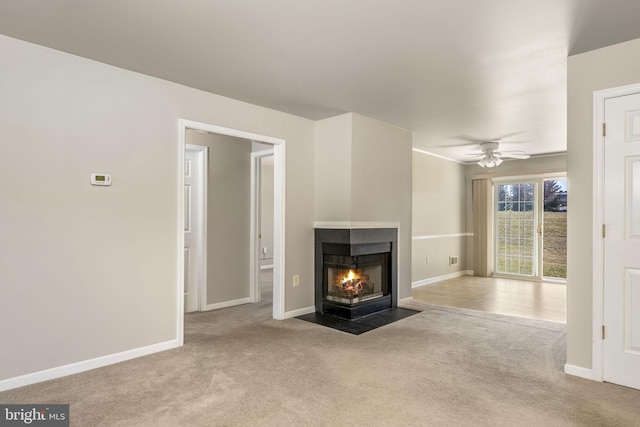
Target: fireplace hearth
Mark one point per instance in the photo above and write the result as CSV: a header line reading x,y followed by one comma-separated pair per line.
x,y
355,271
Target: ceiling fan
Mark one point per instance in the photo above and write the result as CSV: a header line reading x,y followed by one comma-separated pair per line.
x,y
490,157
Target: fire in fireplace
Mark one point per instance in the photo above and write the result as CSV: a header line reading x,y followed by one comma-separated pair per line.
x,y
355,271
350,286
353,279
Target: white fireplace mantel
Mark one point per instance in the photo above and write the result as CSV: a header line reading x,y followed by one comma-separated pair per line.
x,y
354,224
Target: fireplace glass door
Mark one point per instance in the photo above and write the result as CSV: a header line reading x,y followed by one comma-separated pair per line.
x,y
355,279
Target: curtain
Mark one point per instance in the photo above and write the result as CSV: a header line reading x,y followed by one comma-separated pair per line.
x,y
482,227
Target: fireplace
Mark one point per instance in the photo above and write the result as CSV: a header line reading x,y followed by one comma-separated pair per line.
x,y
355,271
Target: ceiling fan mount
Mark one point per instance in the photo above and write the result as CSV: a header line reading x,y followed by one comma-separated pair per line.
x,y
489,147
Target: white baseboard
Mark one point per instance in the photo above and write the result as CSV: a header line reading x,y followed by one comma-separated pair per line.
x,y
405,300
226,304
85,365
299,312
441,278
578,371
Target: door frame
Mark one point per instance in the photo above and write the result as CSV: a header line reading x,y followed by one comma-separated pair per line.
x,y
599,98
203,160
256,209
279,214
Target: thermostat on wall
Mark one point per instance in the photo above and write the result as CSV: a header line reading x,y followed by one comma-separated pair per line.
x,y
100,179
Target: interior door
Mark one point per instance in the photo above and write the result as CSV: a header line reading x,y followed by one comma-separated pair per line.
x,y
621,346
193,174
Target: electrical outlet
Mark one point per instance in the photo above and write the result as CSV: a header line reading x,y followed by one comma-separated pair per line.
x,y
296,280
428,259
453,260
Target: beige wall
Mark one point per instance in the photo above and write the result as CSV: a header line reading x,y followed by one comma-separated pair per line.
x,y
91,271
333,168
228,215
363,174
439,217
381,184
605,68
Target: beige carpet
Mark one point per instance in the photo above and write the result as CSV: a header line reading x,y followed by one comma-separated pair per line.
x,y
442,367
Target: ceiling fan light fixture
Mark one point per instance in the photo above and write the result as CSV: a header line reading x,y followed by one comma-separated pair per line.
x,y
490,161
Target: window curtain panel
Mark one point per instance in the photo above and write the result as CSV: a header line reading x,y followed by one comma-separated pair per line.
x,y
482,227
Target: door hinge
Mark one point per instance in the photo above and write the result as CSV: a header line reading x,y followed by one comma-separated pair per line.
x,y
604,230
604,129
602,331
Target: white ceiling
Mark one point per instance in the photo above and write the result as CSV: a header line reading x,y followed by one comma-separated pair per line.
x,y
443,69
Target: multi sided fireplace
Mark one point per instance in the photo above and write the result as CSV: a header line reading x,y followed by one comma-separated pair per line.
x,y
355,271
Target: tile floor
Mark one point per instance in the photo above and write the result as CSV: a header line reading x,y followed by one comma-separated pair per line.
x,y
535,300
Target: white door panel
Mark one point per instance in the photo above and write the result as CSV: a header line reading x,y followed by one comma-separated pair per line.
x,y
193,259
621,347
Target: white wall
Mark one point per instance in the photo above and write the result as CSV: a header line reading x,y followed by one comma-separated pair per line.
x,y
86,271
605,68
439,218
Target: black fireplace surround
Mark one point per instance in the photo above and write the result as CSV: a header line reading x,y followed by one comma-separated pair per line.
x,y
355,271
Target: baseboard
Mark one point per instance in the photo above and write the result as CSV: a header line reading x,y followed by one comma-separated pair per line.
x,y
299,312
226,304
85,365
441,278
405,300
578,371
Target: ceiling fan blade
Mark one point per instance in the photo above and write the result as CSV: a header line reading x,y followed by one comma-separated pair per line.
x,y
478,155
458,145
508,135
512,155
471,139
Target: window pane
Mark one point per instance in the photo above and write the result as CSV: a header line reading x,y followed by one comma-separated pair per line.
x,y
514,229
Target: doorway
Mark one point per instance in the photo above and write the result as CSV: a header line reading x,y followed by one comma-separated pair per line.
x,y
278,216
616,263
262,197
